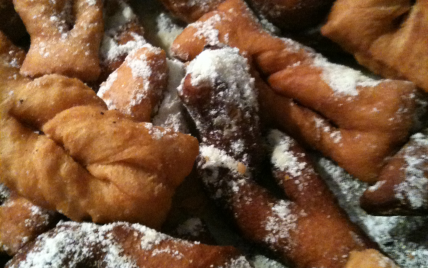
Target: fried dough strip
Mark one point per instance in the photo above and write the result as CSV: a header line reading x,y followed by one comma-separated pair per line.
x,y
403,183
136,87
218,99
124,170
121,245
359,122
388,37
65,37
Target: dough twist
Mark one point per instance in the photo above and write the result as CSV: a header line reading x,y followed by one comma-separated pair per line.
x,y
91,163
65,37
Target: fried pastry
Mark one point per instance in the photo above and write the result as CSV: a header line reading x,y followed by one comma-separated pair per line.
x,y
403,183
21,222
121,244
65,37
388,37
359,121
123,34
369,258
137,86
308,229
129,172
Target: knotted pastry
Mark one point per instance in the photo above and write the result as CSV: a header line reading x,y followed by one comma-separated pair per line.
x,y
21,221
403,183
355,120
65,37
120,244
136,87
388,37
91,163
309,229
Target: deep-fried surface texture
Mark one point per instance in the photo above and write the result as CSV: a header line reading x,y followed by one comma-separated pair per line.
x,y
355,120
136,87
369,259
403,185
190,10
65,37
122,34
91,163
292,15
120,245
309,229
21,222
388,37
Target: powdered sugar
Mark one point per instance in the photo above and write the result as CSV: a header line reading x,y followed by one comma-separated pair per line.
x,y
282,157
206,29
216,158
281,223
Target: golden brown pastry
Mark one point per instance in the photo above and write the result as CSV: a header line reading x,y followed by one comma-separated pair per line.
x,y
89,163
137,86
65,37
403,183
388,37
21,222
121,244
355,120
369,258
308,229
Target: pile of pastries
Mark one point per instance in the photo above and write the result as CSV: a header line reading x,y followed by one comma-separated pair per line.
x,y
128,143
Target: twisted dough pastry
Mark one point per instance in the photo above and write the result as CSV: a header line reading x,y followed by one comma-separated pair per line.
x,y
308,229
388,37
91,163
356,121
120,244
59,44
136,87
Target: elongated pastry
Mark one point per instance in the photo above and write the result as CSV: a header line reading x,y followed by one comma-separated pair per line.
x,y
65,37
388,37
357,121
120,244
308,229
403,183
89,163
137,86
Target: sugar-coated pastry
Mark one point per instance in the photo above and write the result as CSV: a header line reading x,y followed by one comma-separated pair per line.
x,y
388,37
137,86
308,229
403,183
65,37
89,163
121,244
360,121
21,221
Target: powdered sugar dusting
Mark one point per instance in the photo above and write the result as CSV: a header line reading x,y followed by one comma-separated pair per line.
x,y
281,223
396,235
414,188
282,157
342,79
170,111
206,29
215,158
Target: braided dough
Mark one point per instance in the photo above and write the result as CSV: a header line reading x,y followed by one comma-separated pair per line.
x,y
58,44
355,120
127,173
388,37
